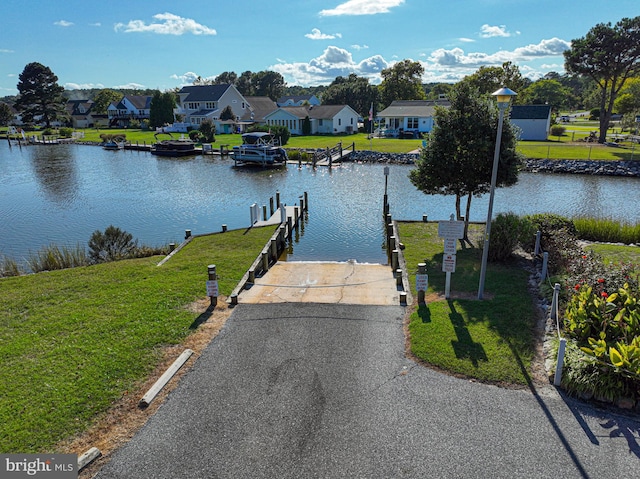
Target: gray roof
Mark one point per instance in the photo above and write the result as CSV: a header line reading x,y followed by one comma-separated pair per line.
x,y
318,112
260,106
141,102
530,112
204,92
413,108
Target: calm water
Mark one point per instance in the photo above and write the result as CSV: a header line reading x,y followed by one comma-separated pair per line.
x,y
61,194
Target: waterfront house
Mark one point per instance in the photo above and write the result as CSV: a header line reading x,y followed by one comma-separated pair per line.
x,y
131,107
532,121
324,119
80,115
207,102
404,118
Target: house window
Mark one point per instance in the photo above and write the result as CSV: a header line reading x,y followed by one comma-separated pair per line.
x,y
412,123
192,106
339,121
210,105
320,122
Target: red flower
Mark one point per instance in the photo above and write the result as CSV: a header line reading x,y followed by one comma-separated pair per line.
x,y
600,280
604,294
577,287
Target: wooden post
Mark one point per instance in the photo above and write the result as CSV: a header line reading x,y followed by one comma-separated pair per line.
x,y
273,245
172,246
394,259
289,227
306,201
187,234
398,277
264,212
425,218
271,210
277,197
212,284
265,261
224,228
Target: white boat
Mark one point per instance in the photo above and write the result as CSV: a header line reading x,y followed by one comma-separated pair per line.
x,y
259,148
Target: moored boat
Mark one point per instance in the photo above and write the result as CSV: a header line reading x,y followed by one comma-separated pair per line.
x,y
180,147
259,148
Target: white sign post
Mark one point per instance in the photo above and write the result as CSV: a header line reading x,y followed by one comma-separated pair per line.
x,y
451,231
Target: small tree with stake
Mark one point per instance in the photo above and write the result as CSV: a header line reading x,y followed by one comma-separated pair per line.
x,y
458,157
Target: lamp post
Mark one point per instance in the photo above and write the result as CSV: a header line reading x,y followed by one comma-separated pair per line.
x,y
504,97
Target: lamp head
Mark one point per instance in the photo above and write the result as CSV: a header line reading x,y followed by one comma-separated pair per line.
x,y
504,95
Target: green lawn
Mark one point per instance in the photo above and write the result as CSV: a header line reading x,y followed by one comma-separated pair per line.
x,y
73,341
491,340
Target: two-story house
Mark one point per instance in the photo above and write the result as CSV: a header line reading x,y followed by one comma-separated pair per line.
x,y
131,107
207,102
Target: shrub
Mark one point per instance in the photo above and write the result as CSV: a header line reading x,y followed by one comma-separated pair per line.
x,y
135,124
113,244
208,131
47,132
508,231
558,130
195,135
66,132
607,230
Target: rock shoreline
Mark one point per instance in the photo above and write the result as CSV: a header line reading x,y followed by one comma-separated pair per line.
x,y
583,167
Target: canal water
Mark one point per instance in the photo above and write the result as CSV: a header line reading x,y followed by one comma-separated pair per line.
x,y
60,194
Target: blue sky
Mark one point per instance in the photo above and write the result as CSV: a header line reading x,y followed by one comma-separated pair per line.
x,y
164,44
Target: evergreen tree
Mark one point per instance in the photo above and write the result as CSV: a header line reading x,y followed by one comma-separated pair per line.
x,y
40,97
161,111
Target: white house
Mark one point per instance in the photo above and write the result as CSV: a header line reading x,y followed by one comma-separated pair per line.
x,y
409,117
324,119
131,107
207,102
533,121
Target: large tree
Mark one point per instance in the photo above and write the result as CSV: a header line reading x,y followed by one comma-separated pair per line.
x,y
40,97
161,108
458,158
549,92
103,99
354,91
609,55
402,81
489,79
268,83
6,114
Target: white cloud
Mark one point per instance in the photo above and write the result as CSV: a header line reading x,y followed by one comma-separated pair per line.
x,y
129,86
457,57
466,40
333,62
362,7
316,34
188,78
359,47
489,31
5,50
63,23
96,24
168,24
82,86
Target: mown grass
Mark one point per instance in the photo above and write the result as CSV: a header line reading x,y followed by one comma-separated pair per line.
x,y
73,341
491,340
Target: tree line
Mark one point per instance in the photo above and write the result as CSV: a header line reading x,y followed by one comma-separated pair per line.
x,y
602,73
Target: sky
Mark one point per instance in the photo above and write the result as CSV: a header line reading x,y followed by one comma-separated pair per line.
x,y
165,44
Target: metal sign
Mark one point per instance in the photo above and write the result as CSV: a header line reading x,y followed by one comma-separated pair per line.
x,y
422,282
451,229
449,263
212,287
450,245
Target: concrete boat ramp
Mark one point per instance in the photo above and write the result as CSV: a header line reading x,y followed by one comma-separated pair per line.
x,y
324,282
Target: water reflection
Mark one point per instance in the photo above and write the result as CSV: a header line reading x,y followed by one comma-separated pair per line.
x,y
61,194
55,170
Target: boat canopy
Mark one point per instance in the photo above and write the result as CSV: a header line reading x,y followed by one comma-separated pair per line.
x,y
257,138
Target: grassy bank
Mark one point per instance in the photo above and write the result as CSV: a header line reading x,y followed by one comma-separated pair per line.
x,y
491,340
73,341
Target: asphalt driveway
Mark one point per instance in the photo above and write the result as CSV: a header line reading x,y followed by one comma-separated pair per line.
x,y
314,390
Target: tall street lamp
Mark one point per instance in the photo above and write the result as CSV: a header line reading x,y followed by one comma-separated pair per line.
x,y
504,97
